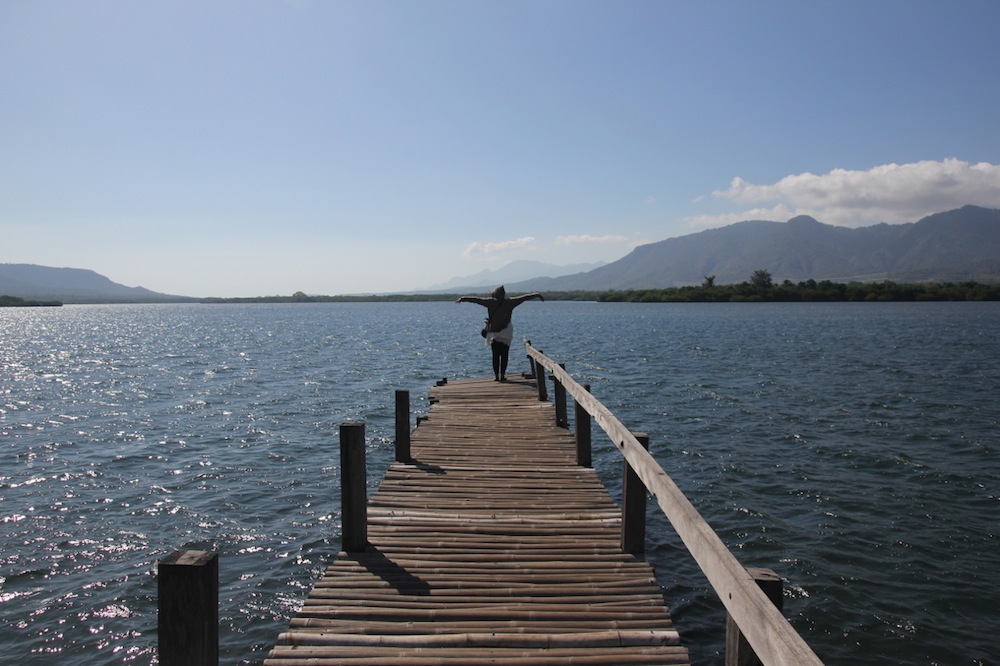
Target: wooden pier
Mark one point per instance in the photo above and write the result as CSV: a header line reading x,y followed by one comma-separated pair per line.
x,y
488,544
491,541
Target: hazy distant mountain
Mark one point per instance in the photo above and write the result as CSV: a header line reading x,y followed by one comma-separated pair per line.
x,y
957,245
515,271
71,285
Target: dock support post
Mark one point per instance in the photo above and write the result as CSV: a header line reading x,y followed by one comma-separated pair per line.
x,y
582,419
543,392
403,426
353,487
634,506
559,396
738,650
187,622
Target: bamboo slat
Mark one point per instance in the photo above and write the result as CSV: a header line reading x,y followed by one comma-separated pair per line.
x,y
582,639
490,547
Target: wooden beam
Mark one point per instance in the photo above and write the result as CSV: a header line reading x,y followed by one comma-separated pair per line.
x,y
403,426
634,506
353,487
188,609
738,650
559,399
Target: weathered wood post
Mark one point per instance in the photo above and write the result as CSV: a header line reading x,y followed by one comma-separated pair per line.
x,y
584,456
353,487
187,622
559,396
634,506
403,426
543,391
738,650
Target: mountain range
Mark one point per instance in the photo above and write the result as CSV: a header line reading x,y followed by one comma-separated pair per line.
x,y
954,246
72,285
958,245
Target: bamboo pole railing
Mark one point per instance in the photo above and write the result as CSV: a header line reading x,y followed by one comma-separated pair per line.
x,y
763,626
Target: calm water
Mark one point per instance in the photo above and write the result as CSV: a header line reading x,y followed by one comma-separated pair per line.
x,y
850,447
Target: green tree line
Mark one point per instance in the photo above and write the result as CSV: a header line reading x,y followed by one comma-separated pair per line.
x,y
809,291
760,288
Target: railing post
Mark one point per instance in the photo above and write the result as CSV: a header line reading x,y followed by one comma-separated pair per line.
x,y
187,622
543,392
403,426
581,417
738,650
559,396
353,487
634,506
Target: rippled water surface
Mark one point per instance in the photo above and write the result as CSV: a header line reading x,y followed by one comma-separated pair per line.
x,y
852,448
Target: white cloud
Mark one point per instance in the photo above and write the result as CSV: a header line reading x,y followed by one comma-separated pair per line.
x,y
587,238
477,249
892,193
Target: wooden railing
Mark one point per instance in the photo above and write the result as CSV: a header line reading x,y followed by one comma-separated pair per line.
x,y
760,621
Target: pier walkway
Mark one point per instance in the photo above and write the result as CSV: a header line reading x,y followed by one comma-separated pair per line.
x,y
491,546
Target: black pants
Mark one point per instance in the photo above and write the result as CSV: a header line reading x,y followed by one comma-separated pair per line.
x,y
501,354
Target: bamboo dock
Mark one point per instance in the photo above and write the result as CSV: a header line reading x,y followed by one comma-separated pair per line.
x,y
490,544
492,541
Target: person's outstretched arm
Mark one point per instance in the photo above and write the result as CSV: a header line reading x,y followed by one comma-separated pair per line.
x,y
474,299
526,297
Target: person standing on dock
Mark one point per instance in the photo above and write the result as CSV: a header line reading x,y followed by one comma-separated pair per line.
x,y
499,330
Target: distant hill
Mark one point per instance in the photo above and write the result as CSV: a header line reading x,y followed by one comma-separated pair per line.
x,y
72,285
515,271
953,246
957,245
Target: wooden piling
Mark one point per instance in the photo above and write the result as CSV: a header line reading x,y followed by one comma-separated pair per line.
x,y
738,650
403,426
543,392
559,398
353,486
188,609
634,506
582,421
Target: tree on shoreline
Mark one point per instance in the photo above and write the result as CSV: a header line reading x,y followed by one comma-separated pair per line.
x,y
762,279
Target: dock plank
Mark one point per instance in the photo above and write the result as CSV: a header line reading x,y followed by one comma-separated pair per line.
x,y
491,547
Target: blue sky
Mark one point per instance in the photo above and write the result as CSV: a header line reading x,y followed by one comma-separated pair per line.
x,y
247,148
